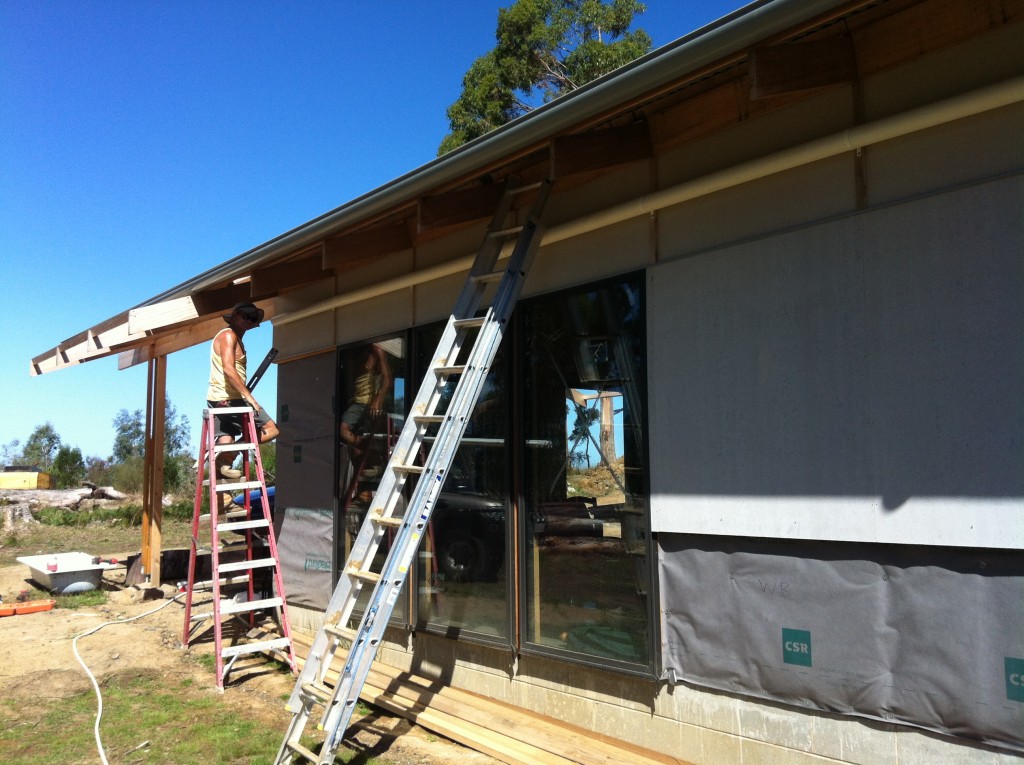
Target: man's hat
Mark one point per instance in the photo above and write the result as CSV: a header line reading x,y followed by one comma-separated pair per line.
x,y
248,310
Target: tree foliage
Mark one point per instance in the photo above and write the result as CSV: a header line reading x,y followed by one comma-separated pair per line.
x,y
545,48
41,447
68,469
130,449
130,433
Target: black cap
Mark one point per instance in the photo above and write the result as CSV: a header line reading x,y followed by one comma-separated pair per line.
x,y
248,311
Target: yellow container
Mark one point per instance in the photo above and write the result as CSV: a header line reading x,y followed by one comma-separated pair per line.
x,y
25,479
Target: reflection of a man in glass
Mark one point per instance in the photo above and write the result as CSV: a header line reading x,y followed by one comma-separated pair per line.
x,y
365,410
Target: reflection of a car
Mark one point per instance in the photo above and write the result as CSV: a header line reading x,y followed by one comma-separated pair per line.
x,y
469,536
466,532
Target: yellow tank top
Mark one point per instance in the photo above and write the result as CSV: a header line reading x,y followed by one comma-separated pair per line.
x,y
220,389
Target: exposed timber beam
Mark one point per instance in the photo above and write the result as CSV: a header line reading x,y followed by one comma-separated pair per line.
x,y
599,149
458,207
348,251
779,70
277,278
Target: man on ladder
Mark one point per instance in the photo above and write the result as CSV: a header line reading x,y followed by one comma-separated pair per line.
x,y
228,388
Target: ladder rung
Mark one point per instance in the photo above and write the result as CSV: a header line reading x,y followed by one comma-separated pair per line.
x,y
231,607
237,446
391,521
265,645
246,565
492,276
340,632
458,369
318,693
234,485
225,581
533,185
366,576
224,516
299,749
505,232
259,523
428,419
407,468
472,321
230,410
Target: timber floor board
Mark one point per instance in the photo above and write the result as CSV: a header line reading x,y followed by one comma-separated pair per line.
x,y
503,731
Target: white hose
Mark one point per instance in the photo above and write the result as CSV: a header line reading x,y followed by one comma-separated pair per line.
x,y
95,685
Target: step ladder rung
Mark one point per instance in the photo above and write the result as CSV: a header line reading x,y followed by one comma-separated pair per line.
x,y
222,410
247,565
390,521
264,645
224,581
231,485
237,446
231,607
229,515
259,523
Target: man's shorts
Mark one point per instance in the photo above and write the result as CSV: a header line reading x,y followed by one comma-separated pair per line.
x,y
231,424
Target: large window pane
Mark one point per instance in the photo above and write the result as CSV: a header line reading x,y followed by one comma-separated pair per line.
x,y
585,496
372,394
463,572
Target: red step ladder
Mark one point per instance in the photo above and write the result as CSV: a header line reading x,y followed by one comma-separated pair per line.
x,y
250,546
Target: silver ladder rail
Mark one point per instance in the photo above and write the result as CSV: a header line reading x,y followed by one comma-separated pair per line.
x,y
449,363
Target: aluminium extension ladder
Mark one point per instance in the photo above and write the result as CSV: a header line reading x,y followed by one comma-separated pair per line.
x,y
463,358
252,536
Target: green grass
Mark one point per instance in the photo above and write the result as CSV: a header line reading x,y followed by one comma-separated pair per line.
x,y
182,726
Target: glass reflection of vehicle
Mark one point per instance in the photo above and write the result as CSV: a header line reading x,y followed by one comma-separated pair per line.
x,y
467,531
469,535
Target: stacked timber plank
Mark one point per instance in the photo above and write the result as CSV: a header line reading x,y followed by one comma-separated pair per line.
x,y
505,732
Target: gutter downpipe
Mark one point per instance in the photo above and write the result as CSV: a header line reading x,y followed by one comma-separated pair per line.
x,y
736,31
975,102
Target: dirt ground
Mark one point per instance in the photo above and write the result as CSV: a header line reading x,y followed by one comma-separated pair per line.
x,y
39,667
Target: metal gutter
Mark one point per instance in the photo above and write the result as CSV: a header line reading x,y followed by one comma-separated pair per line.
x,y
734,32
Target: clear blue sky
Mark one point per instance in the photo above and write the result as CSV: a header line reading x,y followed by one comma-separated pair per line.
x,y
142,143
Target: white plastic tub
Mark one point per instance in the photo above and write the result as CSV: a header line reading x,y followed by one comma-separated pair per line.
x,y
75,571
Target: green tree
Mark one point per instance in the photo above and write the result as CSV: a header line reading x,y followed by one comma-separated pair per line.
x,y
545,48
10,453
130,433
41,447
130,449
68,467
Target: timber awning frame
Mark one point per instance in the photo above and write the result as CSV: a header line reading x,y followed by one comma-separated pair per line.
x,y
189,313
656,102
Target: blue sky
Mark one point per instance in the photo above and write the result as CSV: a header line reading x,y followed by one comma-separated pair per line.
x,y
142,143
